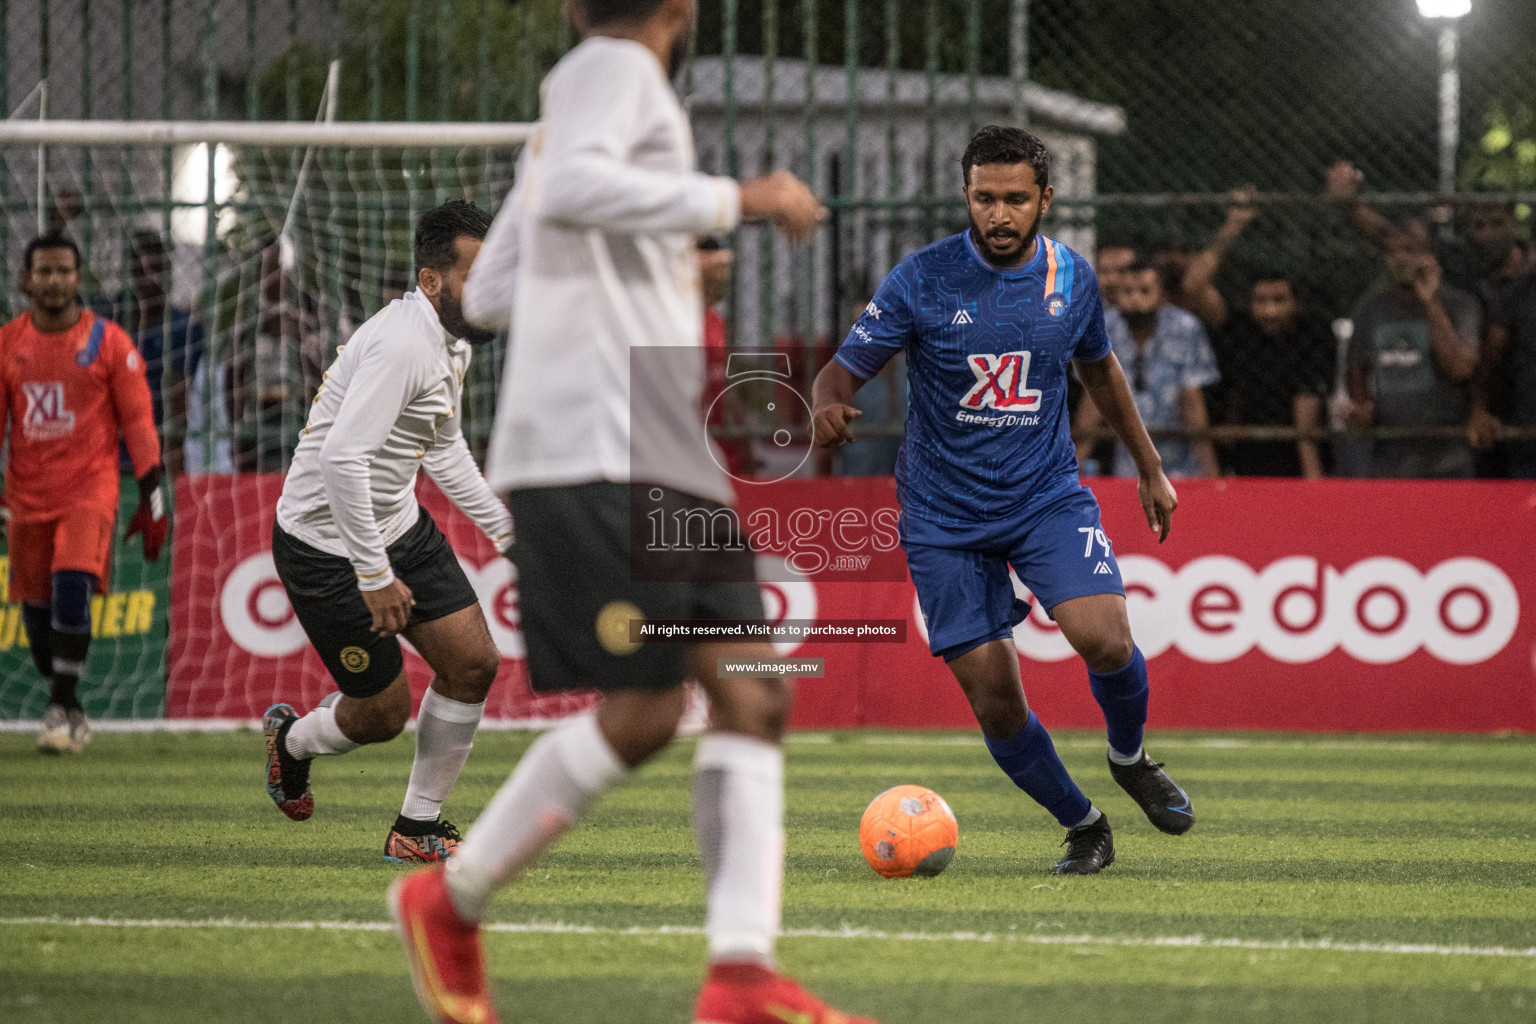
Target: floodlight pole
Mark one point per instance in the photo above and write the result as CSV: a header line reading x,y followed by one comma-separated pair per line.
x,y
1450,107
1018,60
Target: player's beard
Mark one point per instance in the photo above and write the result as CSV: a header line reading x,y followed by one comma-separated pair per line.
x,y
1001,258
54,303
450,313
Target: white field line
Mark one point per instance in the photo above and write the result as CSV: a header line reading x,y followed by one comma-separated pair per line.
x,y
938,738
198,725
562,928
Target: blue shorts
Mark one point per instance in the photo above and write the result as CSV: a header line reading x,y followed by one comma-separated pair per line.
x,y
1058,550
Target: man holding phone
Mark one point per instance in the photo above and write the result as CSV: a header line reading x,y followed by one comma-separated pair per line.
x,y
1411,357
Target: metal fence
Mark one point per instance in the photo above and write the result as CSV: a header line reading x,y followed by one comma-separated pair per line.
x,y
1155,111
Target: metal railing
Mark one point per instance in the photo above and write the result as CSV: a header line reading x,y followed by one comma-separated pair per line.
x,y
1153,113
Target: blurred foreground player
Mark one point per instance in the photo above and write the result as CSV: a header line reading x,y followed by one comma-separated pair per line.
x,y
990,319
70,383
597,244
362,561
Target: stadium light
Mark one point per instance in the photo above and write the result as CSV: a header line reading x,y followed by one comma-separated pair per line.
x,y
1444,8
1446,12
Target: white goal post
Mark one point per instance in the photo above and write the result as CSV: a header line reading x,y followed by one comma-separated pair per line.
x,y
183,229
331,134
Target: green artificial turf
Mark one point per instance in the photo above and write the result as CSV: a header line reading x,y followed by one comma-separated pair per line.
x,y
1317,864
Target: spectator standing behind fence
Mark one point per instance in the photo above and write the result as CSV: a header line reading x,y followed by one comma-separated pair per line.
x,y
1169,361
1197,290
1277,363
1114,257
1411,357
167,337
1509,350
715,262
1487,259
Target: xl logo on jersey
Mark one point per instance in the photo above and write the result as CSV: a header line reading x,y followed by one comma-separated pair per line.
x,y
1000,383
46,417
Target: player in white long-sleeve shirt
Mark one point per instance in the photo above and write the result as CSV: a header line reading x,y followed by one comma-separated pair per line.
x,y
362,561
593,262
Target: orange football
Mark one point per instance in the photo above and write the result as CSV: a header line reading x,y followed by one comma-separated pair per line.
x,y
908,830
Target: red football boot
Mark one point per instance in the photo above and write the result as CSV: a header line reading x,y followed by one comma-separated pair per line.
x,y
748,994
447,964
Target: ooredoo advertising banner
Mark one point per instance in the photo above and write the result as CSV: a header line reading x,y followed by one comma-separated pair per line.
x,y
1282,605
125,671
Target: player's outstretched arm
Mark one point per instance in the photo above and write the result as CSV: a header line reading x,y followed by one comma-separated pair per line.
x,y
1105,383
832,411
784,201
453,469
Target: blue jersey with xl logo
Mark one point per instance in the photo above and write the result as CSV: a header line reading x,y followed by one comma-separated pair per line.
x,y
987,355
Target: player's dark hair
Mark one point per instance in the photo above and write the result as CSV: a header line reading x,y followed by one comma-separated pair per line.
x,y
51,241
605,12
439,229
997,144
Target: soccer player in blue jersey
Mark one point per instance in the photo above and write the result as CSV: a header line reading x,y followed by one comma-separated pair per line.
x,y
987,476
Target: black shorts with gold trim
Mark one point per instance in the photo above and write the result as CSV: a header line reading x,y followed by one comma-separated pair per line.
x,y
323,591
587,565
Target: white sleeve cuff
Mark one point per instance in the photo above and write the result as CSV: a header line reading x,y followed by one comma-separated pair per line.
x,y
714,204
374,579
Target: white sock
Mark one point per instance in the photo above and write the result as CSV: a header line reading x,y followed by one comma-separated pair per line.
x,y
738,815
445,732
317,734
1119,758
551,786
1093,815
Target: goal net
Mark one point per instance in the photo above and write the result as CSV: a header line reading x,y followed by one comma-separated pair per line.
x,y
239,257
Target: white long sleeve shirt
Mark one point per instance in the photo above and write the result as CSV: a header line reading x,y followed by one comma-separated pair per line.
x,y
593,257
389,405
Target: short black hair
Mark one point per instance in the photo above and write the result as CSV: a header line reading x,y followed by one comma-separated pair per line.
x,y
1264,275
606,12
998,144
1136,245
51,241
146,242
440,228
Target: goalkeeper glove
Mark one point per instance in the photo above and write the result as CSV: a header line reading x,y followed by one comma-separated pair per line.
x,y
150,519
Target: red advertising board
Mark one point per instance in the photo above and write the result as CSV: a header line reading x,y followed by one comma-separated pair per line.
x,y
1284,605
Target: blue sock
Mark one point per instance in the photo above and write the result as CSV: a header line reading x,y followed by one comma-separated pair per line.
x,y
1123,696
1029,759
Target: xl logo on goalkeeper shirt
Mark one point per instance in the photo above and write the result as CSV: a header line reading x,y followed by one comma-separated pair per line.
x,y
1000,383
46,417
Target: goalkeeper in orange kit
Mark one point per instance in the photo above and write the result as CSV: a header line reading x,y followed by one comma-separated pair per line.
x,y
70,383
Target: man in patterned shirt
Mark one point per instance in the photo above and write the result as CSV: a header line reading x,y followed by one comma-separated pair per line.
x,y
1168,360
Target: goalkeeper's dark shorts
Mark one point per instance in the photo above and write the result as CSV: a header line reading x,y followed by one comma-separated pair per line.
x,y
579,589
323,591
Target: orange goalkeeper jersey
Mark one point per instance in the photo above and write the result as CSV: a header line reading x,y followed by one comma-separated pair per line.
x,y
66,397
